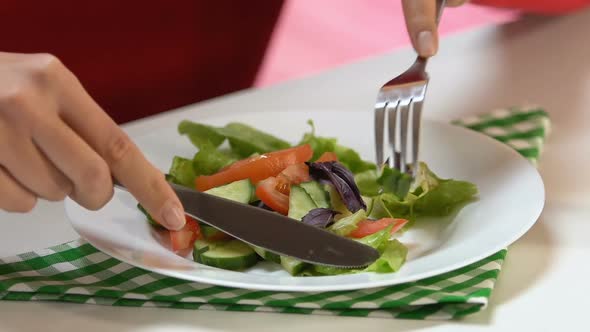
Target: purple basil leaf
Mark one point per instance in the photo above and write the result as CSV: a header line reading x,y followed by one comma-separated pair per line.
x,y
319,217
343,181
355,200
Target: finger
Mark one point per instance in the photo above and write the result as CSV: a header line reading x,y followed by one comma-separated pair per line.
x,y
421,25
13,196
23,160
88,172
125,160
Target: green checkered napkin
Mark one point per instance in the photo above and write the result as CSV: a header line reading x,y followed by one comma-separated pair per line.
x,y
79,273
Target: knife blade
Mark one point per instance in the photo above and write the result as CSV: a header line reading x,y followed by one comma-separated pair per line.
x,y
274,232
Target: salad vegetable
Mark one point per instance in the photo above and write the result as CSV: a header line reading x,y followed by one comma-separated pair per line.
x,y
317,181
319,217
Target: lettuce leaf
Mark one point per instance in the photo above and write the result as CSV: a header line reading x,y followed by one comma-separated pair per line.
x,y
347,156
392,258
377,240
319,145
245,140
201,135
352,160
367,183
388,205
181,172
445,198
438,197
430,196
394,181
348,224
371,183
393,255
210,160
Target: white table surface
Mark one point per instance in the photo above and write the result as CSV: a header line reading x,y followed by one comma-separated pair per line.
x,y
544,284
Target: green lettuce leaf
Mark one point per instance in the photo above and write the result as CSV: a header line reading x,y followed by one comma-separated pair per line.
x,y
346,156
210,160
181,172
438,197
429,196
388,205
352,160
319,145
445,198
425,180
348,224
393,255
367,183
201,135
394,181
245,140
377,240
392,258
391,180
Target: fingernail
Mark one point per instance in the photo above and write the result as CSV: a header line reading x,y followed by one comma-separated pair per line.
x,y
425,43
173,216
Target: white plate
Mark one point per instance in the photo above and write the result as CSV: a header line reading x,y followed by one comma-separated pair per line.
x,y
511,200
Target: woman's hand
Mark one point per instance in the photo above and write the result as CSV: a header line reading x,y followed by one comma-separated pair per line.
x,y
421,24
55,141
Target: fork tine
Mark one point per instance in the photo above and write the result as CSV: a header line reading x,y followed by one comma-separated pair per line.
x,y
392,132
379,130
416,118
403,110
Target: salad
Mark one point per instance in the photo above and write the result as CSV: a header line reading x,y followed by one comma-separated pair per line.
x,y
317,181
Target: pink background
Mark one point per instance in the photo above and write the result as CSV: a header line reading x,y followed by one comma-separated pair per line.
x,y
314,35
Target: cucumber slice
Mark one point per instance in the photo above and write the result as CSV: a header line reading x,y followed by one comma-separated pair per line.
x,y
149,218
208,231
317,193
267,255
213,234
240,191
229,255
292,265
300,203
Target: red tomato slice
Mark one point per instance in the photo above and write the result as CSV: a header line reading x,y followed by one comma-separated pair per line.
x,y
294,174
368,227
257,168
186,237
240,163
274,191
327,156
269,194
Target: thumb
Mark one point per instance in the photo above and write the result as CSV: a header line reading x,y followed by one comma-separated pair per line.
x,y
420,16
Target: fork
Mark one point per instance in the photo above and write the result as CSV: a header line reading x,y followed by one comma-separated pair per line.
x,y
399,105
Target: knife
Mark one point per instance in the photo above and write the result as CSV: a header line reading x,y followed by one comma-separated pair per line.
x,y
272,231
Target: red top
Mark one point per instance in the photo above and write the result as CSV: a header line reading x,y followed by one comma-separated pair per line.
x,y
138,58
538,6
